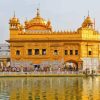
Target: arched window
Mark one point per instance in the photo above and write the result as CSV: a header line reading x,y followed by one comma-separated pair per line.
x,y
36,51
90,52
76,52
29,51
55,52
17,52
71,52
66,52
43,51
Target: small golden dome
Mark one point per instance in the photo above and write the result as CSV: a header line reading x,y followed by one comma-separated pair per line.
x,y
49,23
87,22
14,19
21,27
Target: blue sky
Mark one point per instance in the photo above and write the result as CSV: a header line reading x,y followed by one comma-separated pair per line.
x,y
64,14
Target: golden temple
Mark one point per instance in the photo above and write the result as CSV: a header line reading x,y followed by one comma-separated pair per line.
x,y
36,44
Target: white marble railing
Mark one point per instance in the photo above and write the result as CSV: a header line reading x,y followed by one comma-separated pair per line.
x,y
39,73
46,73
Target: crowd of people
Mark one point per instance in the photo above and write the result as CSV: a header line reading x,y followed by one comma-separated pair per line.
x,y
38,69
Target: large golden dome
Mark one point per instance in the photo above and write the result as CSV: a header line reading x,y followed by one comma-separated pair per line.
x,y
38,22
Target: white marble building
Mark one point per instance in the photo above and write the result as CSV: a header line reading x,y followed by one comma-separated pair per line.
x,y
4,55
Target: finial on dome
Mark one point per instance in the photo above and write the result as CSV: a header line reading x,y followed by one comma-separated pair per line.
x,y
94,23
38,12
84,17
14,14
88,13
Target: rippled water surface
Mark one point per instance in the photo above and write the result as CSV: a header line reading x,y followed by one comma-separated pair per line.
x,y
50,88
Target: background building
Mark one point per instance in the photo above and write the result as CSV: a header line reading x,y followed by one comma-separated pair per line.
x,y
4,55
36,44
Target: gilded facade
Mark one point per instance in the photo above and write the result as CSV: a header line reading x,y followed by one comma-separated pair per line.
x,y
36,44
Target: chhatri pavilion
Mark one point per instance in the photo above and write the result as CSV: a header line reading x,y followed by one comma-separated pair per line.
x,y
36,44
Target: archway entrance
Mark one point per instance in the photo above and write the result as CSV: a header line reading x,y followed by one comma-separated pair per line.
x,y
71,65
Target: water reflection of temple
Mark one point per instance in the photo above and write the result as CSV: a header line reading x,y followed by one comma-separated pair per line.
x,y
92,88
50,88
